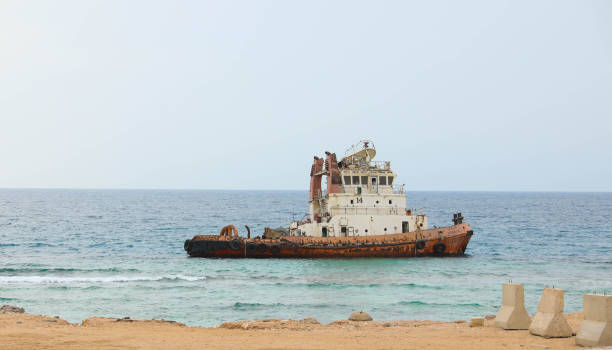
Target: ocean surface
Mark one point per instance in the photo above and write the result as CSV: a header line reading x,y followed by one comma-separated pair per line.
x,y
117,253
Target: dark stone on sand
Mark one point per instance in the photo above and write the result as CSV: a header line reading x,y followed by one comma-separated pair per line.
x,y
8,309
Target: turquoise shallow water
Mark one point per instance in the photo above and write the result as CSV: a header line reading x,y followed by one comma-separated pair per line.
x,y
78,253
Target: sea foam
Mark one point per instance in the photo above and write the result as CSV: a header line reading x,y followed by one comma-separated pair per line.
x,y
95,279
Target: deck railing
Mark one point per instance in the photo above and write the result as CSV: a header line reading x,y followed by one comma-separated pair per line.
x,y
398,189
368,211
380,164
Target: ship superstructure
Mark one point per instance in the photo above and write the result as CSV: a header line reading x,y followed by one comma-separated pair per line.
x,y
361,198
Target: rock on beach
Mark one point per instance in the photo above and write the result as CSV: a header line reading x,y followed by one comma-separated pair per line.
x,y
9,309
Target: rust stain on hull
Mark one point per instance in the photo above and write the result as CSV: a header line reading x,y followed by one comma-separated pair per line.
x,y
442,241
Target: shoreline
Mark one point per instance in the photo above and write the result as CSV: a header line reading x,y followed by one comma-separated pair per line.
x,y
28,331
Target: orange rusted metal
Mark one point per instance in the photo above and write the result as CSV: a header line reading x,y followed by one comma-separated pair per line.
x,y
316,174
441,241
229,231
333,173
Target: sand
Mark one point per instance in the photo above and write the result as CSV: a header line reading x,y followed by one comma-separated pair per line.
x,y
25,331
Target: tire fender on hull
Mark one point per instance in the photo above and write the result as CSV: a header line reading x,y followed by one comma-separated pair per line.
x,y
420,244
251,247
439,248
261,248
235,244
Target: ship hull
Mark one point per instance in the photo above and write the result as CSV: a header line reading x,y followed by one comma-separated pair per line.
x,y
442,241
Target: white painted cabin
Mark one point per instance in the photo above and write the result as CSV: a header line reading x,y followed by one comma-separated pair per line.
x,y
361,198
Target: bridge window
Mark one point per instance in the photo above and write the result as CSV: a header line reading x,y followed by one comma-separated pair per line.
x,y
373,181
390,180
364,180
347,180
383,180
390,202
355,180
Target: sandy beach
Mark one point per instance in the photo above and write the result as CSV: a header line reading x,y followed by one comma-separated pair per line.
x,y
26,331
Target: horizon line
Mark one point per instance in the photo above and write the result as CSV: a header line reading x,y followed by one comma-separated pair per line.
x,y
277,190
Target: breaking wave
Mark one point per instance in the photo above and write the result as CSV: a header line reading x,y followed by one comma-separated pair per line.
x,y
97,279
12,270
422,303
273,306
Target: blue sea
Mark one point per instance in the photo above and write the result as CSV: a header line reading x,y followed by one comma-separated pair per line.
x,y
117,253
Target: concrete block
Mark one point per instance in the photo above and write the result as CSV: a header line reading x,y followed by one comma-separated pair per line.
x,y
549,321
512,314
477,322
596,329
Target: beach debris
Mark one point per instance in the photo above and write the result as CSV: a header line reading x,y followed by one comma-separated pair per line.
x,y
389,324
460,321
9,309
360,316
596,329
549,321
539,346
489,317
477,322
512,314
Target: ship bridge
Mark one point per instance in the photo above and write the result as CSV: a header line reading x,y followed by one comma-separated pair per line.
x,y
360,198
360,174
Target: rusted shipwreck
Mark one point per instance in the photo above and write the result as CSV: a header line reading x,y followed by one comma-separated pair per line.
x,y
362,213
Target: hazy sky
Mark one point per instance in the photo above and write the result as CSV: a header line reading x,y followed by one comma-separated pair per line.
x,y
458,95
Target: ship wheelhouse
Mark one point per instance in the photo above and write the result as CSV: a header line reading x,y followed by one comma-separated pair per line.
x,y
361,198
